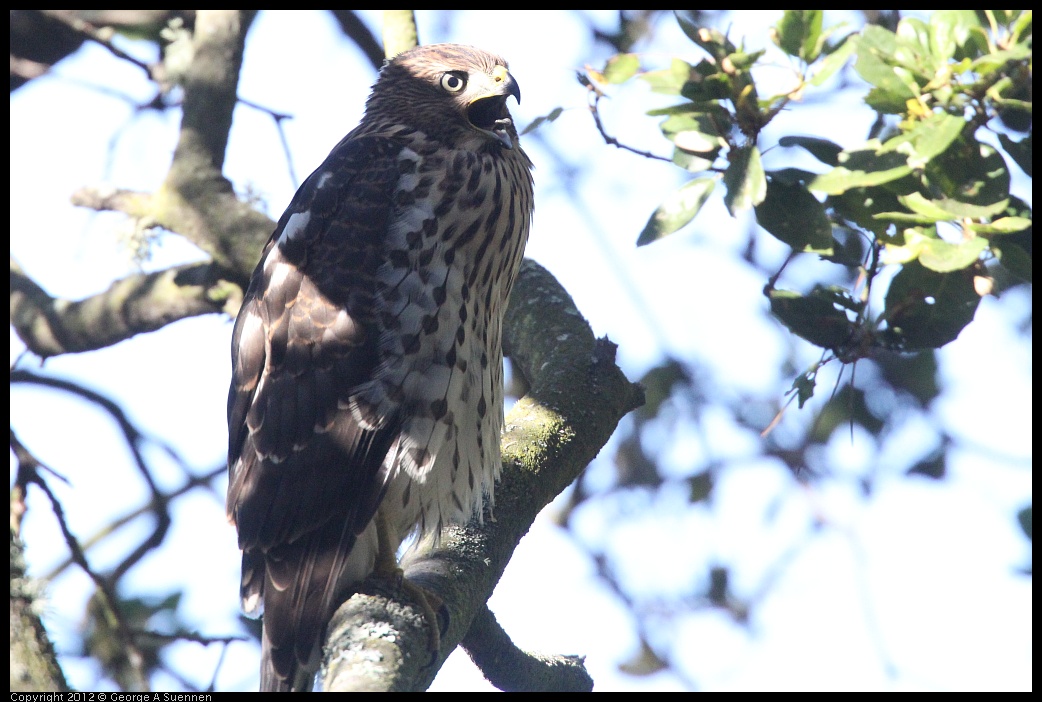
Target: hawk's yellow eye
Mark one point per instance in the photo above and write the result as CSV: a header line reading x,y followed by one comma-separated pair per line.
x,y
453,82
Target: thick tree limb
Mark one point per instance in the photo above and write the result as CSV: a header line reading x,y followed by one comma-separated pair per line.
x,y
513,670
399,32
577,397
34,665
136,304
196,200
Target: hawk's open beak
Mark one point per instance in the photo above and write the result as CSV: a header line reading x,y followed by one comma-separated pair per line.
x,y
489,112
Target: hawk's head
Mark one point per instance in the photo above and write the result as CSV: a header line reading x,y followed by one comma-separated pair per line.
x,y
451,92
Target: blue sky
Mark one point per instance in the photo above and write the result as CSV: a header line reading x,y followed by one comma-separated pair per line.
x,y
921,576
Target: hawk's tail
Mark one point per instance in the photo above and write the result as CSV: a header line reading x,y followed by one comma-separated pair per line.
x,y
300,680
304,582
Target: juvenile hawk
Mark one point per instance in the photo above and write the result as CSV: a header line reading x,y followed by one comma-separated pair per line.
x,y
366,359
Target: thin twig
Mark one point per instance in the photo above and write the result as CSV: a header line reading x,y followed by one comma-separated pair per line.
x,y
104,585
595,96
99,36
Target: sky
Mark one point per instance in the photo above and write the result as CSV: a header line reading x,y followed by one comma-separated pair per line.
x,y
913,589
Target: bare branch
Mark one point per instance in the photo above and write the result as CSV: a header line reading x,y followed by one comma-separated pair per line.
x,y
106,199
594,96
210,87
512,670
191,483
75,22
136,442
356,30
136,304
105,587
196,200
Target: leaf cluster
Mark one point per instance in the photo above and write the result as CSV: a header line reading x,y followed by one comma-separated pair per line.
x,y
927,194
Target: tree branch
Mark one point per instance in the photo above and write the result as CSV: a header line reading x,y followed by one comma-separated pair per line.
x,y
210,88
34,665
513,670
399,32
577,397
196,200
136,304
357,32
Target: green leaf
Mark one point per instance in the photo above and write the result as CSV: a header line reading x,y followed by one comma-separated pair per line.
x,y
798,32
804,386
1014,259
688,26
950,30
938,255
970,172
877,62
794,216
659,383
539,121
793,176
933,466
694,133
942,34
744,60
833,62
698,142
860,206
933,252
669,81
691,162
861,168
708,83
710,117
822,149
677,210
846,405
925,309
944,210
715,43
955,209
814,316
913,47
848,247
1019,151
905,218
920,205
927,139
1002,225
621,67
745,180
1022,24
997,60
914,373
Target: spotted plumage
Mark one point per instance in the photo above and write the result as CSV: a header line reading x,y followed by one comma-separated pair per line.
x,y
366,358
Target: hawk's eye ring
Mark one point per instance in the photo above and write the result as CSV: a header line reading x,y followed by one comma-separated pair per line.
x,y
453,82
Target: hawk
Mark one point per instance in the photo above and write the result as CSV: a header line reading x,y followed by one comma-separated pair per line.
x,y
366,401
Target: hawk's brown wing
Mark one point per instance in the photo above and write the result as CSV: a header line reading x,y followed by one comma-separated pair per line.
x,y
306,457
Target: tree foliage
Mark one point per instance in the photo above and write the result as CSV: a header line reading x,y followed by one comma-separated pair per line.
x,y
899,236
927,194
